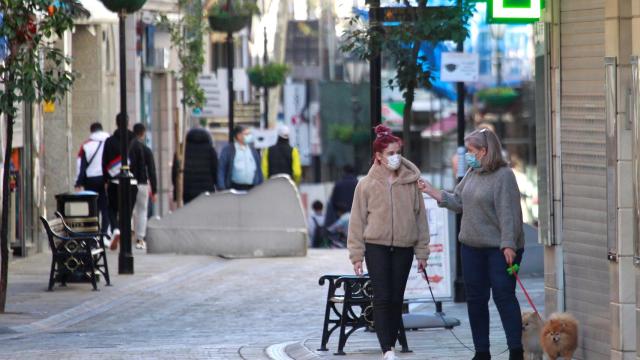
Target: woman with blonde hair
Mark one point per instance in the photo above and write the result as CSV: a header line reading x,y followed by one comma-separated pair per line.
x,y
387,226
492,239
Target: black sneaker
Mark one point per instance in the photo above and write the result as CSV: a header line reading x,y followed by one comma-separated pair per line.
x,y
482,355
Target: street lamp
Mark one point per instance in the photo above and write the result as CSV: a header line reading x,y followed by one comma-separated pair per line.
x,y
125,259
235,19
266,60
497,33
355,72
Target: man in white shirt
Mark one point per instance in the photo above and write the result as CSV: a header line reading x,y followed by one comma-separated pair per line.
x,y
89,170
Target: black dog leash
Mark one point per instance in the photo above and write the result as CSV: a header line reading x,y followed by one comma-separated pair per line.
x,y
444,322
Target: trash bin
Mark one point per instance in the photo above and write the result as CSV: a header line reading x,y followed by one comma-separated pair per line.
x,y
80,210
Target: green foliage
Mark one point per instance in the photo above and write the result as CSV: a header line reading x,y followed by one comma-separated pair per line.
x,y
31,27
234,8
498,96
187,38
348,133
269,75
400,43
232,15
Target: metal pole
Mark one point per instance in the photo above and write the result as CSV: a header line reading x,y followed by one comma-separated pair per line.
x,y
375,69
459,294
500,128
266,89
125,260
230,82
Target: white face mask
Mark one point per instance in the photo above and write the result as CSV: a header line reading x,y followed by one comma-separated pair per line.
x,y
393,162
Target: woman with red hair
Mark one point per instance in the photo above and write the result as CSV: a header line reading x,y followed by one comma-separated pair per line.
x,y
387,227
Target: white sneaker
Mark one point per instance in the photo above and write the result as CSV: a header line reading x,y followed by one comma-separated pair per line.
x,y
141,244
389,355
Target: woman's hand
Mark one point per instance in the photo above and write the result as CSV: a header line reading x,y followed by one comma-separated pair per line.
x,y
422,264
357,268
509,255
427,188
424,185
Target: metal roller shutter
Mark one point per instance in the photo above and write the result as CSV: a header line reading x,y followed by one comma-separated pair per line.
x,y
583,142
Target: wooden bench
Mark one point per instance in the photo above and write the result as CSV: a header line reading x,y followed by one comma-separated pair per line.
x,y
74,256
349,307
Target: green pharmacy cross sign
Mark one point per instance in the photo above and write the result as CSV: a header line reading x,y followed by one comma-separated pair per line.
x,y
514,11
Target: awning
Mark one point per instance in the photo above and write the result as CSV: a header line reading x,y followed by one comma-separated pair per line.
x,y
441,127
392,114
99,13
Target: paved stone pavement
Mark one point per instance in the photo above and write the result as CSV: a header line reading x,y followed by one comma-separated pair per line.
x,y
197,307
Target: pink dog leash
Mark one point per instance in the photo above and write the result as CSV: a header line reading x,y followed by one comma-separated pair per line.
x,y
513,270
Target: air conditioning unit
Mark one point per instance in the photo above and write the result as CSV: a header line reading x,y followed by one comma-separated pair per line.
x,y
162,58
159,59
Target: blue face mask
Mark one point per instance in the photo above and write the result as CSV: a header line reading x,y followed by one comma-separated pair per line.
x,y
248,139
472,161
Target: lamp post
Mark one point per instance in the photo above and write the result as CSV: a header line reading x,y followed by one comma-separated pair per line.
x,y
375,68
355,71
234,20
265,60
125,258
231,94
497,33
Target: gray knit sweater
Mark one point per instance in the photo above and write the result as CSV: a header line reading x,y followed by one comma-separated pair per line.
x,y
492,216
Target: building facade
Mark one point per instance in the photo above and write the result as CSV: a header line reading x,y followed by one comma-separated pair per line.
x,y
587,111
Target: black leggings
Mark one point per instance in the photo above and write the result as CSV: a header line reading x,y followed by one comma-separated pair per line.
x,y
389,269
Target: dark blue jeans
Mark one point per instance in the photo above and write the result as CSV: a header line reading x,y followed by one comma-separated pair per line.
x,y
485,272
389,269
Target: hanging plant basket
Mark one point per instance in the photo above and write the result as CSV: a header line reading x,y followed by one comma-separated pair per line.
x,y
231,15
498,97
268,76
128,6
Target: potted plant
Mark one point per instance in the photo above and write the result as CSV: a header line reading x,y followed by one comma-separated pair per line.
x,y
231,15
498,96
268,76
129,6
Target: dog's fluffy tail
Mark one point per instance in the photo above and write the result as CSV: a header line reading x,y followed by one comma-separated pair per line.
x,y
563,317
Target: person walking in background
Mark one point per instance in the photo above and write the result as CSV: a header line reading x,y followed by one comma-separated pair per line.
x,y
315,225
342,195
387,226
111,164
147,187
282,158
89,175
492,239
239,166
200,165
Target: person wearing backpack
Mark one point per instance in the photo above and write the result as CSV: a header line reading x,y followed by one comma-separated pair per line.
x,y
89,174
111,164
317,230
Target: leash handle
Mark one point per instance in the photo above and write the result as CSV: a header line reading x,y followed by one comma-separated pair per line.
x,y
513,270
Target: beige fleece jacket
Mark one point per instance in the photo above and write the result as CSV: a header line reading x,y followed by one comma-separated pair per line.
x,y
388,214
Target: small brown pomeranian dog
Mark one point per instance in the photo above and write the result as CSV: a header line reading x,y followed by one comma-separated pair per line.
x,y
531,329
559,336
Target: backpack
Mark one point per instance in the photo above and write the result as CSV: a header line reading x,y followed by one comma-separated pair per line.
x,y
320,237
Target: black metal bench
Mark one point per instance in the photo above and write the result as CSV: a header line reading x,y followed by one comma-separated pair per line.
x,y
89,227
349,307
74,256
